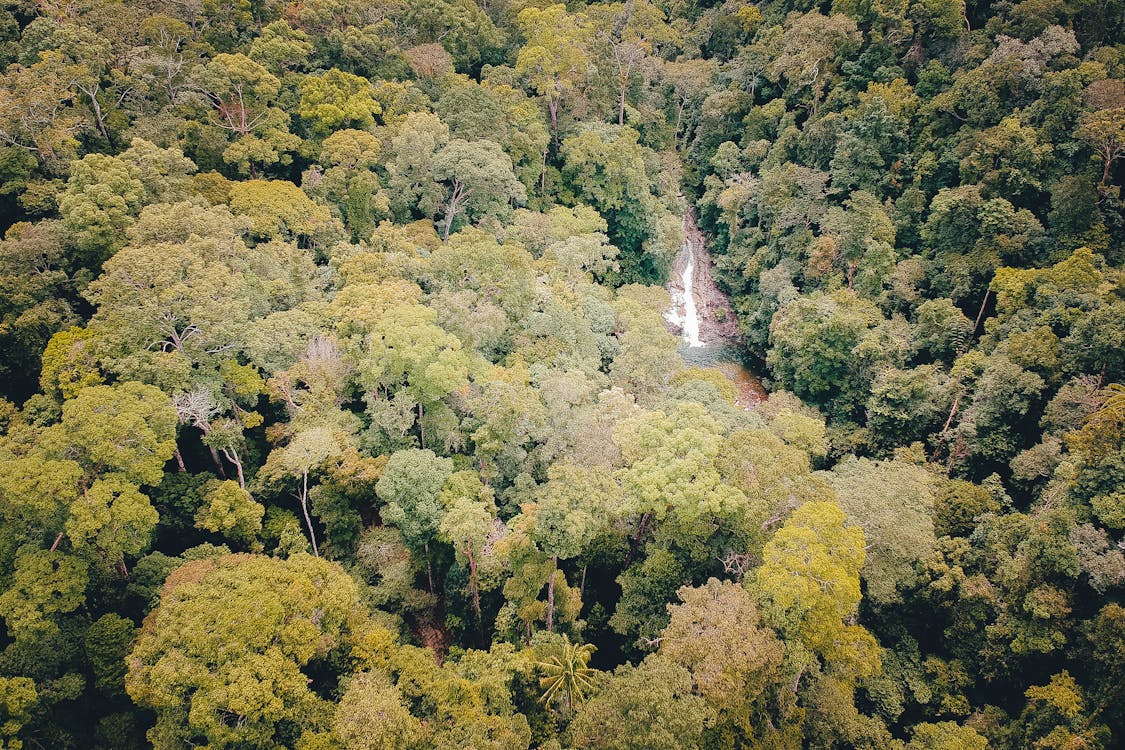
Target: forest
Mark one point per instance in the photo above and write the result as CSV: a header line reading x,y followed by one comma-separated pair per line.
x,y
338,409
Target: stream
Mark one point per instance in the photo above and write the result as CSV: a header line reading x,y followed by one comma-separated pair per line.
x,y
701,314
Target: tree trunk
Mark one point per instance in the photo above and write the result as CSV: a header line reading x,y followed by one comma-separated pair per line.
x,y
621,104
553,107
179,459
980,314
459,194
636,539
948,421
96,108
421,429
429,567
304,498
551,595
679,120
473,583
449,214
232,456
543,173
217,461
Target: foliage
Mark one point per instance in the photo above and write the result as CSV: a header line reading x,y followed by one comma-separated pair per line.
x,y
377,280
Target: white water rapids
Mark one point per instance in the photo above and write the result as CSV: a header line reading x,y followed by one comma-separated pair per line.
x,y
684,312
703,317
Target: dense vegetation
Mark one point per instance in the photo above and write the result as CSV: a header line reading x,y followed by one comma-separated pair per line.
x,y
338,412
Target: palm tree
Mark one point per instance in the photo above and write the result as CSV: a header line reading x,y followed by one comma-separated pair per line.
x,y
566,678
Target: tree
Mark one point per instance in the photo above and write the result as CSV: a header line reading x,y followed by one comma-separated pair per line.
x,y
308,451
34,112
827,347
1104,131
864,238
34,301
468,521
102,197
411,486
946,735
335,99
410,170
112,517
372,715
941,329
809,49
1004,399
1056,715
158,305
278,209
348,180
108,641
905,405
567,676
809,582
670,472
45,584
227,655
556,56
716,634
631,30
480,179
229,510
650,706
604,167
242,95
893,502
128,429
689,79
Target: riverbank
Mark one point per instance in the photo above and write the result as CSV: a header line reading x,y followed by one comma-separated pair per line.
x,y
702,315
691,285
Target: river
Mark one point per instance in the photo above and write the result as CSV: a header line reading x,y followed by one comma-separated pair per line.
x,y
702,315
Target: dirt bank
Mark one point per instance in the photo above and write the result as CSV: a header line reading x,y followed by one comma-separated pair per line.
x,y
717,323
703,317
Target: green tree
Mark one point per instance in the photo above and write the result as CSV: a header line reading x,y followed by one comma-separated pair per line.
x,y
411,487
946,735
631,31
556,57
372,715
649,706
826,348
335,99
480,181
45,584
809,50
566,675
893,502
229,510
1104,131
411,175
243,95
467,522
228,654
809,581
604,166
716,633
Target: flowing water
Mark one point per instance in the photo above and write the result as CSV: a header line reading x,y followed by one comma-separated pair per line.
x,y
702,315
691,310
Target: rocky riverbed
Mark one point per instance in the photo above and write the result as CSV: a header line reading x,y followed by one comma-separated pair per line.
x,y
702,315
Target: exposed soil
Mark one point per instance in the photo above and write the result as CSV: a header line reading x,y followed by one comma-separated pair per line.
x,y
717,323
718,343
